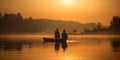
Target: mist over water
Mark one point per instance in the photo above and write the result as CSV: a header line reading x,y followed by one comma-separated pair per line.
x,y
79,47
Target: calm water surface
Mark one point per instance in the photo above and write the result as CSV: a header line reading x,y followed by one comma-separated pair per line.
x,y
78,47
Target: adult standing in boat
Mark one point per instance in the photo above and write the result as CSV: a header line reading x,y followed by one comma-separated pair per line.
x,y
57,35
64,36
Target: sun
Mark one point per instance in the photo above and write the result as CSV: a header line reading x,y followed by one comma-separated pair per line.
x,y
67,2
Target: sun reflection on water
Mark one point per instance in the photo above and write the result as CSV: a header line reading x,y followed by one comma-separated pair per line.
x,y
67,58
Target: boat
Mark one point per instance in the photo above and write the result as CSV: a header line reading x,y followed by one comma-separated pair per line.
x,y
49,39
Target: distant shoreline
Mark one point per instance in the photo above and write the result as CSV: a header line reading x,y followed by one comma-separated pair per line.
x,y
102,33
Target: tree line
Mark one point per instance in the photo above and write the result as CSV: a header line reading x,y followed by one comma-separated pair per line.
x,y
115,24
15,23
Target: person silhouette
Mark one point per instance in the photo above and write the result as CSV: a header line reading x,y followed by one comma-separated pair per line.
x,y
57,35
64,36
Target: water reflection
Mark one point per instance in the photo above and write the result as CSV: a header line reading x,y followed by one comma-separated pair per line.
x,y
57,46
79,49
0,47
115,43
30,44
12,45
63,46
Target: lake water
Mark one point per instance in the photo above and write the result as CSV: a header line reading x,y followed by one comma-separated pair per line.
x,y
78,47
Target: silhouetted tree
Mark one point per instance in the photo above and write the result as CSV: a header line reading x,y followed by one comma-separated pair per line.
x,y
81,32
10,23
99,26
0,16
0,19
30,18
19,16
86,30
74,31
95,29
115,24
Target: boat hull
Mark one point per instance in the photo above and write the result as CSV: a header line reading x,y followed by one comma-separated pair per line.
x,y
51,40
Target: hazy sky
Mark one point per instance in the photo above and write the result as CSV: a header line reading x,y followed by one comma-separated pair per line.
x,y
83,11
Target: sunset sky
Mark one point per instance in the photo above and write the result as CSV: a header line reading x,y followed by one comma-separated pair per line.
x,y
83,11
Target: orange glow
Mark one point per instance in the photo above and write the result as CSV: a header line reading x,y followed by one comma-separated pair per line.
x,y
68,2
83,11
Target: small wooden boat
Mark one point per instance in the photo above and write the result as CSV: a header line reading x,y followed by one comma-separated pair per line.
x,y
49,39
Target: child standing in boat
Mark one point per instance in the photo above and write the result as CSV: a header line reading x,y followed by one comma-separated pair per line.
x,y
57,35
